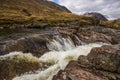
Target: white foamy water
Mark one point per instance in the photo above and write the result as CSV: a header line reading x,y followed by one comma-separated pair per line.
x,y
62,52
61,44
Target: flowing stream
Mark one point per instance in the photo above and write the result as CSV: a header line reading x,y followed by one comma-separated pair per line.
x,y
62,52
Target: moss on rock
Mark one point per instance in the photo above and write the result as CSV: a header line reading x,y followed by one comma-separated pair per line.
x,y
15,64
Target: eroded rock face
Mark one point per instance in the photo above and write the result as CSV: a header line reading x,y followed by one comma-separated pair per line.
x,y
101,64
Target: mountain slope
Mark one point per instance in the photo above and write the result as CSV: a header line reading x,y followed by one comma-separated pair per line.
x,y
29,9
34,11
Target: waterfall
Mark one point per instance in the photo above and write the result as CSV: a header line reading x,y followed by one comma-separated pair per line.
x,y
61,44
62,51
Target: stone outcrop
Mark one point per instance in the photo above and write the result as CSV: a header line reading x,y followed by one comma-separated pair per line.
x,y
106,58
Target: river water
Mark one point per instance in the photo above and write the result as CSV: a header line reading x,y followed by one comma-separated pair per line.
x,y
62,51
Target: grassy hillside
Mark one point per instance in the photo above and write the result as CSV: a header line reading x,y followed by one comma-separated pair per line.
x,y
22,11
112,24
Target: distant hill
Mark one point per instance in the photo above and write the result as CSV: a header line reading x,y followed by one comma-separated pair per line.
x,y
96,16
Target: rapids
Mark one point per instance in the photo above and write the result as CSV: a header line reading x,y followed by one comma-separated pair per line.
x,y
62,51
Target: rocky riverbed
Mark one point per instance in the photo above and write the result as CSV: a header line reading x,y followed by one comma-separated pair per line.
x,y
102,63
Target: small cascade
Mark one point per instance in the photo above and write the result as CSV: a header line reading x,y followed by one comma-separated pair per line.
x,y
78,40
61,44
62,51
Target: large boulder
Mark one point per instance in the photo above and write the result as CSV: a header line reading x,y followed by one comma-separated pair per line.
x,y
74,72
102,63
106,58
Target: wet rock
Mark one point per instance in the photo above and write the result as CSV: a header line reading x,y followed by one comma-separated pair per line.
x,y
69,32
17,64
91,36
98,34
74,72
106,58
35,45
102,63
76,40
25,40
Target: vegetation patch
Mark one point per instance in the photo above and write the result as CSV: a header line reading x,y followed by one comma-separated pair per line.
x,y
16,64
112,24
